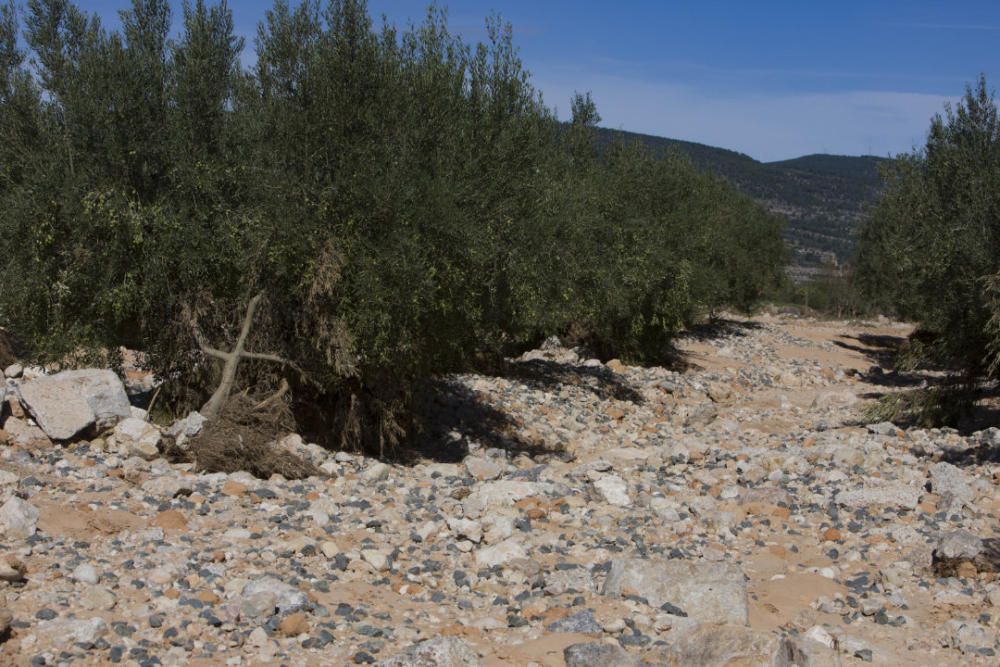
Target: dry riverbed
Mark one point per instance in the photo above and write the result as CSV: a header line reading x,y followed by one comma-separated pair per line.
x,y
732,510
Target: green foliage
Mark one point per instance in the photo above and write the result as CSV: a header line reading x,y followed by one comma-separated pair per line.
x,y
403,199
930,246
827,292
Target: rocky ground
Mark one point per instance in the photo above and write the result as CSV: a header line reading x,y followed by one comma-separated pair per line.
x,y
731,512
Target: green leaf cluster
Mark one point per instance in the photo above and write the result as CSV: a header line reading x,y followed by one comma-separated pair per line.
x,y
404,199
930,250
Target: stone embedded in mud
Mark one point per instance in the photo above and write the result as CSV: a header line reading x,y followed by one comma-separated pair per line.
x,y
614,490
499,554
597,654
711,644
834,399
582,622
470,530
951,484
707,592
482,469
961,553
71,631
287,598
67,404
21,432
889,495
138,438
577,579
85,573
491,496
437,652
187,428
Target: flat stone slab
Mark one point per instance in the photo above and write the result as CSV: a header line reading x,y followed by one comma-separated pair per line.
x,y
706,592
889,495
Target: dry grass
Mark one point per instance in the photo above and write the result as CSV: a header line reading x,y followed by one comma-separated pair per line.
x,y
924,408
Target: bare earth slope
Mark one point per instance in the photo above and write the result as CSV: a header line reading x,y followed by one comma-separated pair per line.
x,y
570,503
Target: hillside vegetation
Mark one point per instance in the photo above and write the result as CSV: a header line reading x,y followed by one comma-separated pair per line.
x,y
823,197
362,209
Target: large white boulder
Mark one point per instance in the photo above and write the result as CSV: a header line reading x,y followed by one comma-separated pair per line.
x,y
69,403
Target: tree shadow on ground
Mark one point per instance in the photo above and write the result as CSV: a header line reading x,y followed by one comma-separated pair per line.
x,y
548,375
680,361
983,454
880,348
448,415
983,415
719,327
883,350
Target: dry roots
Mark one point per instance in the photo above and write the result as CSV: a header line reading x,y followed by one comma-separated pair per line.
x,y
243,436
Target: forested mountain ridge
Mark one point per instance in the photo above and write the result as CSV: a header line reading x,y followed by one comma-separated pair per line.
x,y
822,196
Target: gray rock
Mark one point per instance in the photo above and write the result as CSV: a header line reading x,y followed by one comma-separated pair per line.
x,y
98,598
67,404
577,579
834,399
614,490
707,592
23,433
806,652
491,496
482,469
85,574
437,652
951,484
597,654
287,598
498,554
710,644
187,428
959,544
960,548
894,495
702,415
14,371
73,630
18,519
258,604
138,438
582,622
883,428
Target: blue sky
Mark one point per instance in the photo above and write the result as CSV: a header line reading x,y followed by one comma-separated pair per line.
x,y
773,79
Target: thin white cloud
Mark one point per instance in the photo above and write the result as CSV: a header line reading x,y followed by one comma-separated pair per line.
x,y
771,126
691,68
978,27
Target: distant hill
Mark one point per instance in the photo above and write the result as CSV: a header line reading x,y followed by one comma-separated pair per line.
x,y
822,196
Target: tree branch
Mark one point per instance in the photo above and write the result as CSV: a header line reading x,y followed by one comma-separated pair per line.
x,y
203,345
232,359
